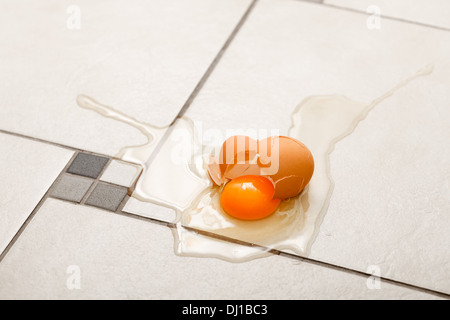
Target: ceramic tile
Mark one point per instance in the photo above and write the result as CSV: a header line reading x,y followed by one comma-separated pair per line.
x,y
281,64
150,210
107,196
391,174
28,170
391,195
71,188
144,60
121,173
76,252
88,165
432,12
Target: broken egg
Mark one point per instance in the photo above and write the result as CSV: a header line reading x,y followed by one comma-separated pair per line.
x,y
285,161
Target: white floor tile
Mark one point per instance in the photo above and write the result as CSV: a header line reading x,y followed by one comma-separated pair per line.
x,y
144,60
289,50
432,12
392,194
28,169
392,178
150,210
76,252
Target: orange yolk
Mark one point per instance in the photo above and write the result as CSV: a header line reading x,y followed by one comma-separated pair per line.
x,y
249,198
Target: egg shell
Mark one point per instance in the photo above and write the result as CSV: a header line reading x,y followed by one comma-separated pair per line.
x,y
236,158
214,171
237,151
287,162
295,165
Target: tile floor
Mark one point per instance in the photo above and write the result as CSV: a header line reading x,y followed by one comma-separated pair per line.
x,y
68,208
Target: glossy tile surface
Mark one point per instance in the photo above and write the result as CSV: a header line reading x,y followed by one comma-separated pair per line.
x,y
389,208
71,188
143,59
391,194
106,196
431,12
88,165
94,254
121,173
29,169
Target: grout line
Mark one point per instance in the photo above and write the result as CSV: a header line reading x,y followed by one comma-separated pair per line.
x,y
204,233
366,275
284,254
95,182
202,81
89,192
183,109
122,204
211,235
171,225
321,263
63,200
56,144
315,1
333,6
100,175
139,217
60,145
36,209
215,62
99,180
180,114
49,191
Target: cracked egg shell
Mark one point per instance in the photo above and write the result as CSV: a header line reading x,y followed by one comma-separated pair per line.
x,y
287,162
295,165
237,158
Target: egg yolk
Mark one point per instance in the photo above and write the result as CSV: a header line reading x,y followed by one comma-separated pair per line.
x,y
249,198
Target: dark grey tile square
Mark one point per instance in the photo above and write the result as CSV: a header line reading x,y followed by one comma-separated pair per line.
x,y
87,165
71,188
107,196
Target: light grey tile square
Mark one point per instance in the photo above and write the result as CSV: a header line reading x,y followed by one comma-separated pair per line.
x,y
88,165
71,188
107,196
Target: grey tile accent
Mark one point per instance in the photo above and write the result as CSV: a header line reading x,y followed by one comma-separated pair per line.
x,y
88,165
107,196
71,188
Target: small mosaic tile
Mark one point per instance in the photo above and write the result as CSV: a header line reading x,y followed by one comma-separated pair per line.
x,y
88,165
107,196
121,173
71,188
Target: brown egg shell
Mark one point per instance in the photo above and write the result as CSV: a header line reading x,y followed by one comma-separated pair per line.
x,y
295,165
287,162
